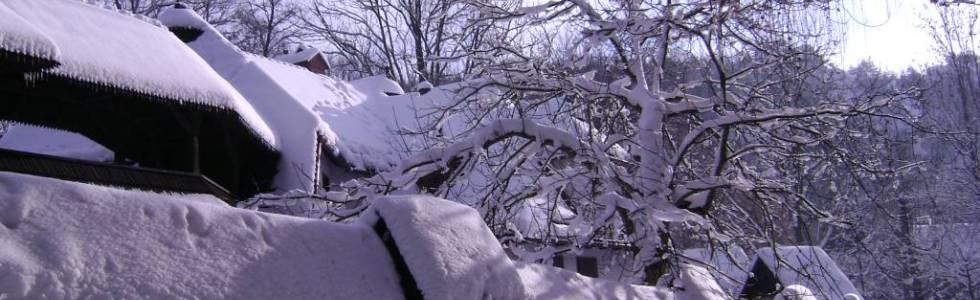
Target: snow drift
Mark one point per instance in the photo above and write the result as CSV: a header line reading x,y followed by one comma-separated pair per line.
x,y
69,240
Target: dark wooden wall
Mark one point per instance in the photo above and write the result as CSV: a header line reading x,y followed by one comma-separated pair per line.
x,y
151,131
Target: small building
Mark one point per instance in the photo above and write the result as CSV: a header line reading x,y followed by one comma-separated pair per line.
x,y
128,84
308,57
804,271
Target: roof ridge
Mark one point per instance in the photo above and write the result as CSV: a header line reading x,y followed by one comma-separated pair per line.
x,y
110,8
300,68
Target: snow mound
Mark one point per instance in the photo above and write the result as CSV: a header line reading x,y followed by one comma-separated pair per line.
x,y
53,142
60,239
378,86
448,249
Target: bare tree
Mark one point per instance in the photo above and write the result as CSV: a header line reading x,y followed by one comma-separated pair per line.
x,y
643,152
408,40
265,27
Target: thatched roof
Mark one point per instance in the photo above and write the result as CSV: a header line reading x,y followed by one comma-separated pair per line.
x,y
129,84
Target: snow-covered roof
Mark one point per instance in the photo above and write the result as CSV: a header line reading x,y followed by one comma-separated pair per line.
x,y
17,35
807,266
68,240
273,93
359,121
448,249
53,142
110,48
304,54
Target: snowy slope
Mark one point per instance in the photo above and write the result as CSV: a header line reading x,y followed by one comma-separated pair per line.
x,y
53,142
105,47
68,240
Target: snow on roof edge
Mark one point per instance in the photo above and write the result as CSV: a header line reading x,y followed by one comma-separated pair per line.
x,y
125,57
19,36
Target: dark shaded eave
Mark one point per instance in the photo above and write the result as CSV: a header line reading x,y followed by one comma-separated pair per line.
x,y
139,126
14,62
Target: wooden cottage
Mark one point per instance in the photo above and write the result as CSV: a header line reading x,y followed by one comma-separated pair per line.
x,y
130,85
307,57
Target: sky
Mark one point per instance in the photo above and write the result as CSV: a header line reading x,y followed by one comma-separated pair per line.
x,y
890,33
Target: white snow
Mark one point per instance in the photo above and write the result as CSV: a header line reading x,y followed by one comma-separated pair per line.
x,y
60,239
448,249
809,267
105,47
53,142
19,36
